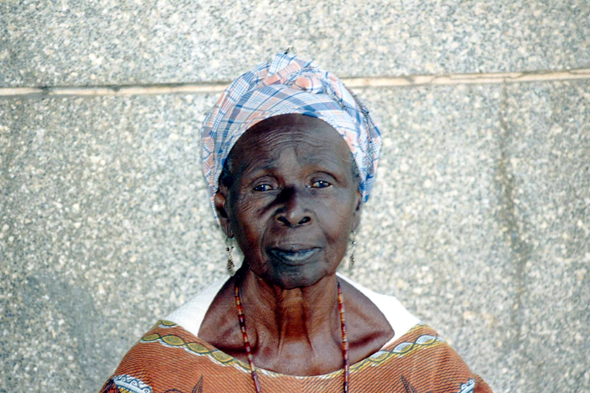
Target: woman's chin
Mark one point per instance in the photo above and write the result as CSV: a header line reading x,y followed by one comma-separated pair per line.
x,y
290,277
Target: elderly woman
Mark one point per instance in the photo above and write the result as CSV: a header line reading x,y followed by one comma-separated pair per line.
x,y
290,154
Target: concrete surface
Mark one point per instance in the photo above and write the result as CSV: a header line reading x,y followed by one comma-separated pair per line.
x,y
101,217
548,135
102,42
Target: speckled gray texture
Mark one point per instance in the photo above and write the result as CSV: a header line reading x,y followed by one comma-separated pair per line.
x,y
431,234
127,42
548,128
478,224
104,228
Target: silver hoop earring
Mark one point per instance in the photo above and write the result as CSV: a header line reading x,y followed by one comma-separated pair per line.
x,y
229,247
352,247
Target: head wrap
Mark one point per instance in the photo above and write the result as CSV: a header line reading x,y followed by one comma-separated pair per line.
x,y
289,84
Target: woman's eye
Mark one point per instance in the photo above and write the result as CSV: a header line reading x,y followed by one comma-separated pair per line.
x,y
263,187
320,184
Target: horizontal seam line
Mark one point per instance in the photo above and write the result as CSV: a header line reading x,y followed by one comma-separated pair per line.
x,y
356,82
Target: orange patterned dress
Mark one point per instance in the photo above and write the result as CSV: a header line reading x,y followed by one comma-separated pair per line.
x,y
170,358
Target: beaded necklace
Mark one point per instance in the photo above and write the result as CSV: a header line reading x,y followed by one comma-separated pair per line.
x,y
242,319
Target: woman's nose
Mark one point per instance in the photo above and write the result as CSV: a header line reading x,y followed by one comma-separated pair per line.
x,y
293,211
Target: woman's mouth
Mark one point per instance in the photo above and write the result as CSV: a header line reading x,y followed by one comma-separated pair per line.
x,y
294,257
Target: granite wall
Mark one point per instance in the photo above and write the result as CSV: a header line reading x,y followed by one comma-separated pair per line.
x,y
479,222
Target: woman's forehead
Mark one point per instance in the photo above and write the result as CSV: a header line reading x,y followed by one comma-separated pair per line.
x,y
303,134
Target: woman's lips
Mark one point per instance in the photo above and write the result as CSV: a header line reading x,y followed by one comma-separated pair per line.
x,y
294,257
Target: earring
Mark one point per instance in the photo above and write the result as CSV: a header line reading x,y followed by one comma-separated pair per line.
x,y
229,246
352,247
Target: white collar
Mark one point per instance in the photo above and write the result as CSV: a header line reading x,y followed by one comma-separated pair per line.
x,y
191,315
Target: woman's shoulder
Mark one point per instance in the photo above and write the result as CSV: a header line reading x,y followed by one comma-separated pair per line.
x,y
167,355
192,314
400,319
440,366
170,352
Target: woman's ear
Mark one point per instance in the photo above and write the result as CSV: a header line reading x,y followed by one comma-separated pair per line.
x,y
220,202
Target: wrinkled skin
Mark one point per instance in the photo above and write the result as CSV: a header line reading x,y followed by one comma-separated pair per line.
x,y
293,200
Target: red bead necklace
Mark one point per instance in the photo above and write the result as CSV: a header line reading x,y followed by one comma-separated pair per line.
x,y
242,319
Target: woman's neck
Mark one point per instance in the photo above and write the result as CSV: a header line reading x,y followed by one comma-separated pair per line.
x,y
283,323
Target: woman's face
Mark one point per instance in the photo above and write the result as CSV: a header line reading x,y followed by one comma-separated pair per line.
x,y
292,201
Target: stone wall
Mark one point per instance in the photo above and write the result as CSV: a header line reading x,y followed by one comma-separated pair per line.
x,y
479,222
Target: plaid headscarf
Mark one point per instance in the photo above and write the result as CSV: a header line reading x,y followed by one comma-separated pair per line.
x,y
289,84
